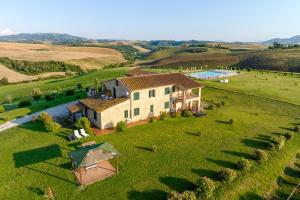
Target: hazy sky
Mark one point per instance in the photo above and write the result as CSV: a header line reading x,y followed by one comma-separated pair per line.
x,y
228,20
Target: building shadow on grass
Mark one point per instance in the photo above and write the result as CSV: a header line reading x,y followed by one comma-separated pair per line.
x,y
205,172
178,184
239,154
223,163
36,190
250,196
254,143
147,195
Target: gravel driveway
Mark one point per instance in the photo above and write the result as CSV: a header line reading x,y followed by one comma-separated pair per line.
x,y
57,111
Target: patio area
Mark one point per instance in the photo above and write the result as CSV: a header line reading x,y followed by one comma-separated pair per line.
x,y
95,173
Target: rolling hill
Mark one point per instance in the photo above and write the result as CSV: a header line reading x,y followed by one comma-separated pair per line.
x,y
56,38
85,57
291,40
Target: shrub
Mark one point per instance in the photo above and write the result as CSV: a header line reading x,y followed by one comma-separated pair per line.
x,y
4,81
189,195
230,121
186,195
297,129
243,165
289,136
36,93
260,156
163,115
2,109
226,175
223,103
8,99
52,127
25,102
70,92
121,126
84,123
46,118
279,142
187,113
151,119
271,146
154,148
50,97
205,188
79,86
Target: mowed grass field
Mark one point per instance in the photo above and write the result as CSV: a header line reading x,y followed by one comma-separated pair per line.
x,y
34,160
279,86
21,91
24,89
86,57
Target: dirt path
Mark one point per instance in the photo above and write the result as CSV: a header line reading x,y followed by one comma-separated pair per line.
x,y
57,111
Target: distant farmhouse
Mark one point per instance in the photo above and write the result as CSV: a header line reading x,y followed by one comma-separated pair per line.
x,y
139,96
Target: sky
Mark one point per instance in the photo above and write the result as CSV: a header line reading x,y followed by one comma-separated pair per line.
x,y
222,20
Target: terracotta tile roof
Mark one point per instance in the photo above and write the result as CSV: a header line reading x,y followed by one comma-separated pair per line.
x,y
75,107
97,104
151,81
139,72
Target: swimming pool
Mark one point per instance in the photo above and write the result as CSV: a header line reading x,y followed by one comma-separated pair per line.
x,y
212,74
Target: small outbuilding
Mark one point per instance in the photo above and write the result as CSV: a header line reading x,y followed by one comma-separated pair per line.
x,y
90,163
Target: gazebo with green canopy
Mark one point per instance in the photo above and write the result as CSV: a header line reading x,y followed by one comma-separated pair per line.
x,y
93,160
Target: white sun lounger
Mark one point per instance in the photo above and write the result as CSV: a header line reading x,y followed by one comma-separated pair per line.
x,y
77,135
83,133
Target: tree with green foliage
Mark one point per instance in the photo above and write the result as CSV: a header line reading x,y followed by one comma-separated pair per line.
x,y
4,81
36,93
205,188
2,109
84,123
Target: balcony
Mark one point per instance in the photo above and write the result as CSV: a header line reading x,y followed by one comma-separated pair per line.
x,y
188,96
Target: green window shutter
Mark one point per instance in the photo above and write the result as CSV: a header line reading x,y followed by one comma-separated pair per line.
x,y
167,90
136,111
167,105
151,108
126,113
136,96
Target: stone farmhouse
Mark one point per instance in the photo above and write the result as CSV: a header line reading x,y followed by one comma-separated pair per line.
x,y
139,96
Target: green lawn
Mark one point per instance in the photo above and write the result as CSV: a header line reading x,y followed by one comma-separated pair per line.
x,y
271,85
24,89
32,160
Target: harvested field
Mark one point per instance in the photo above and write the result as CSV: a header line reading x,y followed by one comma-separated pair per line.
x,y
14,77
44,52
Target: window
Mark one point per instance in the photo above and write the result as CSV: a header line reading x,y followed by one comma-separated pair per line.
x,y
173,88
136,111
167,90
86,111
126,114
151,93
117,83
95,115
151,108
136,96
167,105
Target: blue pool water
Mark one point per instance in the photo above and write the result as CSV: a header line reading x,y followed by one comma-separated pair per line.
x,y
208,74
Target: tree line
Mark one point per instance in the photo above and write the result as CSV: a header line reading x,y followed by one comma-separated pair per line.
x,y
34,68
